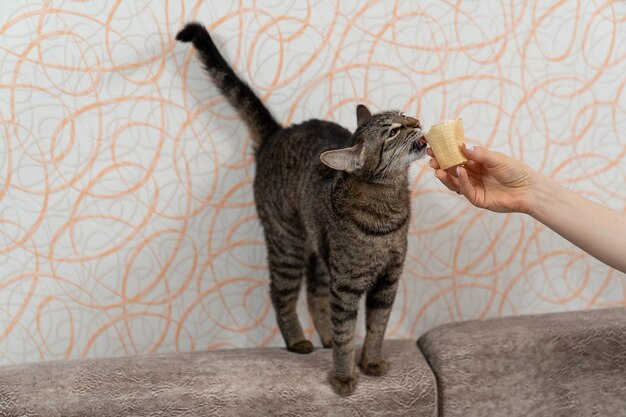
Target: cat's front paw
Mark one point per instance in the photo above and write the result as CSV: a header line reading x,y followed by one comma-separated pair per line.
x,y
377,368
342,384
302,347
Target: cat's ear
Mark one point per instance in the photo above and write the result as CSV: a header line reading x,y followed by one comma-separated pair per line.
x,y
347,159
362,114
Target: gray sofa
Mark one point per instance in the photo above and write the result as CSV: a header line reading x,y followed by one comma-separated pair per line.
x,y
566,364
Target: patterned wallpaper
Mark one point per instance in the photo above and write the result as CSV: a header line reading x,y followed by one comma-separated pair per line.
x,y
127,222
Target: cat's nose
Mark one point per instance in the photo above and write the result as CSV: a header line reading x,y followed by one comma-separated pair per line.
x,y
411,122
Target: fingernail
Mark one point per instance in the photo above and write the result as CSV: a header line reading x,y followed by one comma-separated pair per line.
x,y
470,147
458,171
430,162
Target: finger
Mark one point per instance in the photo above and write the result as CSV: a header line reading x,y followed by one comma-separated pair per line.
x,y
448,180
465,185
433,163
482,155
473,168
429,151
452,171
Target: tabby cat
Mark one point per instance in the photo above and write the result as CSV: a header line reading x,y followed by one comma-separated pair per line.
x,y
335,209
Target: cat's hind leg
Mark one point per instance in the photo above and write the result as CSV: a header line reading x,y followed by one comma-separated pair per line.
x,y
287,265
318,294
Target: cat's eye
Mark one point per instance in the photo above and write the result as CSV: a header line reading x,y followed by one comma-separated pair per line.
x,y
393,132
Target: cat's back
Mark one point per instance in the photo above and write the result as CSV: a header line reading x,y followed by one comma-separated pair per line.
x,y
288,166
299,140
294,152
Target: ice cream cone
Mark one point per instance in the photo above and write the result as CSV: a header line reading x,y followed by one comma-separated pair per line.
x,y
446,140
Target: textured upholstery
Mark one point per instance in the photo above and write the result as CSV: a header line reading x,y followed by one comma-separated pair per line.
x,y
241,382
567,364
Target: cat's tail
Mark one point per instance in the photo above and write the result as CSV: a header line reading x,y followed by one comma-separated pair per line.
x,y
257,117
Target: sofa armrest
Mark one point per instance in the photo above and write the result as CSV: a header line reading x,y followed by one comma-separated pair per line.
x,y
564,364
239,382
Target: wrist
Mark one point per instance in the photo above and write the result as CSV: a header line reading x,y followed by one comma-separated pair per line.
x,y
541,194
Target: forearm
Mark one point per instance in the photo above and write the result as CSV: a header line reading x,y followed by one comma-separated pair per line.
x,y
597,230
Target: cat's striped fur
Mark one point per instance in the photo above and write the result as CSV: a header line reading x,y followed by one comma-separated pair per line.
x,y
335,210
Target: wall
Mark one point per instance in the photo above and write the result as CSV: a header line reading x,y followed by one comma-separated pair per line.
x,y
127,223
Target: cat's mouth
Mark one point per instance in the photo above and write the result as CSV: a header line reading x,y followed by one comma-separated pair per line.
x,y
418,144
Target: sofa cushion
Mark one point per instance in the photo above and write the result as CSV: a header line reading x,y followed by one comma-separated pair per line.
x,y
240,382
565,364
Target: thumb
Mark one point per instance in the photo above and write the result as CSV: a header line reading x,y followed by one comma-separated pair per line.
x,y
482,155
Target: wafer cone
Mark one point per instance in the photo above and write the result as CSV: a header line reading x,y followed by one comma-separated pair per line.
x,y
446,140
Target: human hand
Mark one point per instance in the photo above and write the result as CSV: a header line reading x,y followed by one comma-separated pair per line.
x,y
490,180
